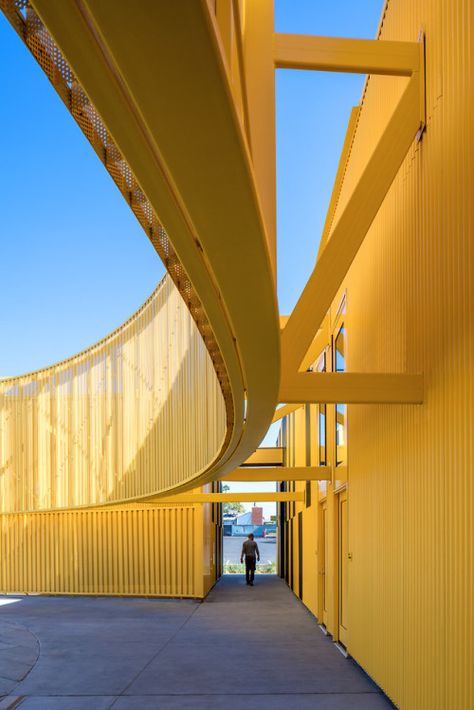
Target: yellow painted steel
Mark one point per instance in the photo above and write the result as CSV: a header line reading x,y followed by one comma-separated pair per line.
x,y
284,411
355,387
407,616
342,54
252,496
280,473
265,456
122,420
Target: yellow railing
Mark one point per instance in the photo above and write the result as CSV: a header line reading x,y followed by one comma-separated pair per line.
x,y
138,413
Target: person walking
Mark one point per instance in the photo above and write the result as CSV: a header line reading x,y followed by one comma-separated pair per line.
x,y
251,553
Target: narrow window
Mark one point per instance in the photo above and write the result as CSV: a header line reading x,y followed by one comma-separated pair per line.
x,y
322,434
341,409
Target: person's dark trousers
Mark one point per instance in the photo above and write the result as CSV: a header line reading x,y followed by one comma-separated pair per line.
x,y
249,568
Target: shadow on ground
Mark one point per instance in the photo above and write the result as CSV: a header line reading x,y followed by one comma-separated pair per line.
x,y
243,647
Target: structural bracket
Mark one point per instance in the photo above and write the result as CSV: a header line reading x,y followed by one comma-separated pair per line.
x,y
339,249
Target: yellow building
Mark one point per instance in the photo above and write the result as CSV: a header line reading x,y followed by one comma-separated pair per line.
x,y
374,366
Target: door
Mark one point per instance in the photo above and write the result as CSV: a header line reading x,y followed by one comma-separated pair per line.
x,y
343,567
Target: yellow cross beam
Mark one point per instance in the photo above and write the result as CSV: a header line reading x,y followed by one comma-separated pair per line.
x,y
353,388
280,473
280,497
266,456
284,411
339,54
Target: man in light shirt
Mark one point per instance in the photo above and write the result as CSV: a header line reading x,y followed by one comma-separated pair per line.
x,y
251,553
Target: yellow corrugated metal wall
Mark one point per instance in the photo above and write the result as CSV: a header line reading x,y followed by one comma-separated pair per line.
x,y
125,550
410,307
120,420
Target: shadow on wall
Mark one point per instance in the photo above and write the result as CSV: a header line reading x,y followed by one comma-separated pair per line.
x,y
136,413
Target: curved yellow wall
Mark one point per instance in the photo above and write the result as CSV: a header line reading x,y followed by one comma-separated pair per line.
x,y
137,413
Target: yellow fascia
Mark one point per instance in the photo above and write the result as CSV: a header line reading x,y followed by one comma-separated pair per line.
x,y
337,253
265,497
280,473
266,456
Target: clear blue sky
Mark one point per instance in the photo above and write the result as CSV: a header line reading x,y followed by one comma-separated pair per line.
x,y
75,263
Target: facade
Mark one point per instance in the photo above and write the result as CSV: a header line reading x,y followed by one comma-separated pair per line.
x,y
111,462
382,554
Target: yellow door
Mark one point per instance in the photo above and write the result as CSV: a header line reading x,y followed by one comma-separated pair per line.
x,y
343,567
323,561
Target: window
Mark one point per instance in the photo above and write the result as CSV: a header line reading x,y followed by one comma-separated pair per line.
x,y
322,434
341,409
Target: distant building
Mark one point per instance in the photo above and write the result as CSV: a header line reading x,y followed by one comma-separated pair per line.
x,y
245,523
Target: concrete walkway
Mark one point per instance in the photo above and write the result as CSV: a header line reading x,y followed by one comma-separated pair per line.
x,y
244,647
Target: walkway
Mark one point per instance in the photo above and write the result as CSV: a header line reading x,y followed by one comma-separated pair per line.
x,y
244,647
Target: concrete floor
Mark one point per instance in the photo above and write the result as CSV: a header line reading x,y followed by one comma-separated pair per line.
x,y
243,647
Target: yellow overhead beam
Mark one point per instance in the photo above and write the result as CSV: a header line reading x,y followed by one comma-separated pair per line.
x,y
339,54
284,411
265,497
280,473
349,233
353,388
266,456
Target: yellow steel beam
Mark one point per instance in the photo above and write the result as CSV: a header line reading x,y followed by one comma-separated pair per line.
x,y
266,456
280,473
339,54
280,497
353,388
349,233
284,411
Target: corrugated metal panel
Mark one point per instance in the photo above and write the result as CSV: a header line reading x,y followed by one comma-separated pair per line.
x,y
121,420
410,306
410,296
130,551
